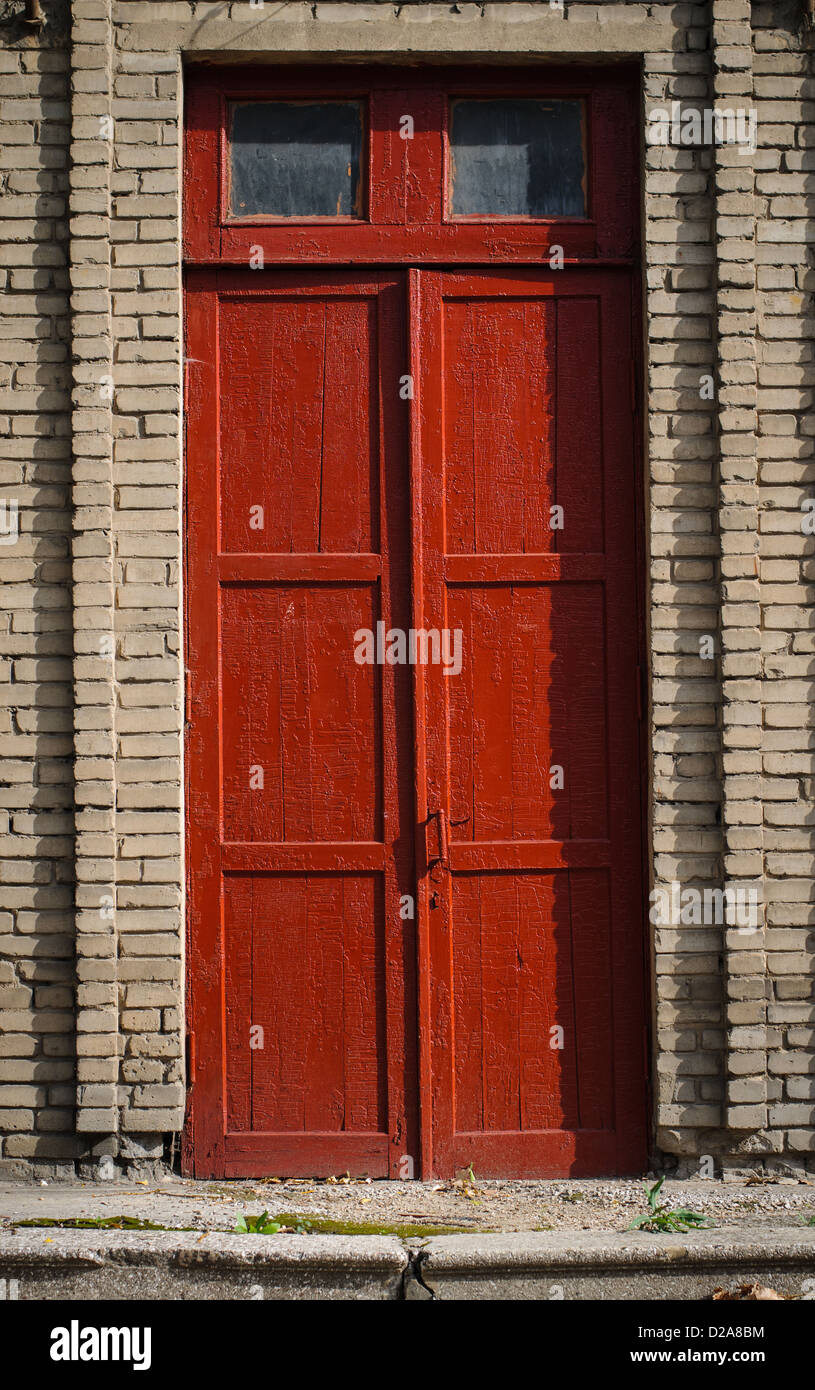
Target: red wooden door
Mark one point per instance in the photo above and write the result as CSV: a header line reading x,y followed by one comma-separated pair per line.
x,y
533,1044
302,993
415,891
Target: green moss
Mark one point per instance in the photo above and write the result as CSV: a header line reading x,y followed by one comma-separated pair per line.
x,y
307,1224
322,1226
100,1223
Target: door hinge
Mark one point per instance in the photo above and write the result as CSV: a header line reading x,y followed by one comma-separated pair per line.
x,y
190,1041
187,698
443,855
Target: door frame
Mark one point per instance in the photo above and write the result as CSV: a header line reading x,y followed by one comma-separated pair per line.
x,y
610,237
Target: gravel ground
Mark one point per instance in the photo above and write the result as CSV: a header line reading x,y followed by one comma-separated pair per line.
x,y
579,1205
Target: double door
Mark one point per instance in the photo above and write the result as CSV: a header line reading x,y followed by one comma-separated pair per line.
x,y
415,889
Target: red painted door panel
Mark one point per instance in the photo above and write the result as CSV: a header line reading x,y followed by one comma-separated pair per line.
x,y
532,927
300,761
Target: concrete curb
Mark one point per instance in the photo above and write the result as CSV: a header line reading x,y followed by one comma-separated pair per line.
x,y
90,1265
173,1265
617,1265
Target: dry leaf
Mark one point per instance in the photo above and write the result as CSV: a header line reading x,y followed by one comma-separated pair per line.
x,y
748,1293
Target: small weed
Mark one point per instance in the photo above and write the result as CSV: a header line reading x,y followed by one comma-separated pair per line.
x,y
262,1225
573,1196
468,1184
809,1220
660,1217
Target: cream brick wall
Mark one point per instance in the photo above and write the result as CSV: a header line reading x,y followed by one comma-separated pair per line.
x,y
681,453
729,288
36,727
784,89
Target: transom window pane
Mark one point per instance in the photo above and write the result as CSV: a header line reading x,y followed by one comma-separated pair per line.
x,y
296,159
520,158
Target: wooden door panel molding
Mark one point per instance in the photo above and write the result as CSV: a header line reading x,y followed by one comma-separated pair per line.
x,y
342,857
522,569
496,855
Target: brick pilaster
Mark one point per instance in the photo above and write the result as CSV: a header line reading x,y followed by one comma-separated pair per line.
x,y
93,577
736,327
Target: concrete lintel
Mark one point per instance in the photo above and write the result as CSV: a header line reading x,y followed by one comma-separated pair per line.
x,y
404,36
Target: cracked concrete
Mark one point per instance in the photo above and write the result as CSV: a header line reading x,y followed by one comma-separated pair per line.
x,y
481,1205
760,1235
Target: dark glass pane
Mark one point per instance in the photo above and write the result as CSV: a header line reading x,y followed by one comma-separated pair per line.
x,y
296,159
518,159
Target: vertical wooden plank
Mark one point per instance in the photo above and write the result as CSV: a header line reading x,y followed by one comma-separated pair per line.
x,y
499,362
594,1022
395,733
415,333
350,486
532,755
468,995
325,1078
499,1003
429,610
625,651
464,815
407,168
205,1129
492,648
303,351
280,959
370,1053
539,1005
202,123
239,1002
579,468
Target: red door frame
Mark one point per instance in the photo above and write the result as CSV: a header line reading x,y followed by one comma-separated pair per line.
x,y
402,228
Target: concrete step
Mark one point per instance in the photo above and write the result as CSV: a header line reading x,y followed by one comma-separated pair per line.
x,y
616,1265
59,1264
547,1265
